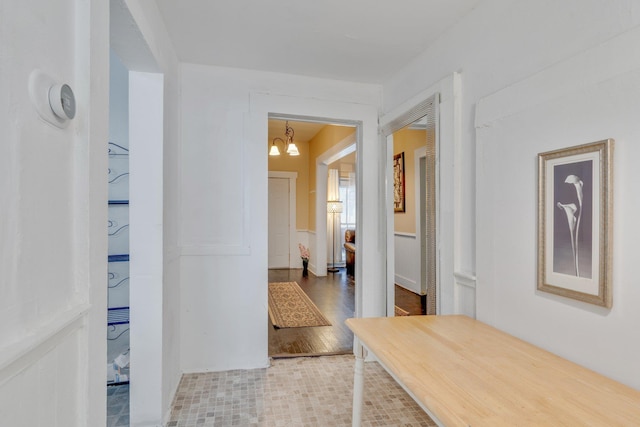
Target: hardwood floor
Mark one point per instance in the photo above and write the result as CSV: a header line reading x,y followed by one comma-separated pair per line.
x,y
334,296
409,301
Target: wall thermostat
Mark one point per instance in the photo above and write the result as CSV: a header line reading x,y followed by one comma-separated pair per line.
x,y
62,101
54,102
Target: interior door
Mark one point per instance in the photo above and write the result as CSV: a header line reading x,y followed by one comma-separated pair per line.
x,y
279,223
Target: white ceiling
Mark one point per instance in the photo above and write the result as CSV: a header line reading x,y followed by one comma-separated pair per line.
x,y
353,40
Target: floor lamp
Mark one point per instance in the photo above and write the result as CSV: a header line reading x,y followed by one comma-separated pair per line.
x,y
333,207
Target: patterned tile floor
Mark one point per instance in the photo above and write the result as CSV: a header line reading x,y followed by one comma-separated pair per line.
x,y
312,391
118,406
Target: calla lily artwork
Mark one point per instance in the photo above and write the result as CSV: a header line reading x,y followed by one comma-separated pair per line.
x,y
573,217
572,246
574,222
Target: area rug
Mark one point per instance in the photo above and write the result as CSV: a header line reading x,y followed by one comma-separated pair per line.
x,y
290,307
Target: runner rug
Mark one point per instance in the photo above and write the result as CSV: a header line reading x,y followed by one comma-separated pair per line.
x,y
290,307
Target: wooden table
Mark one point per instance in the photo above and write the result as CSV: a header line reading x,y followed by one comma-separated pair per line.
x,y
463,372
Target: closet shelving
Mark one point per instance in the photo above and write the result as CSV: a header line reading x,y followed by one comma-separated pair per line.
x,y
118,270
118,316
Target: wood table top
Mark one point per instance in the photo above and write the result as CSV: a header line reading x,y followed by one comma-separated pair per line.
x,y
468,373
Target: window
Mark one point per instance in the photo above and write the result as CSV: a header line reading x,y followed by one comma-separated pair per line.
x,y
347,188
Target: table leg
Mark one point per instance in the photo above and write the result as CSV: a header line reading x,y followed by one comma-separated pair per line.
x,y
358,385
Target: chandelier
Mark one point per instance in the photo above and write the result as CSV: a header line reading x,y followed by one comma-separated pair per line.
x,y
288,145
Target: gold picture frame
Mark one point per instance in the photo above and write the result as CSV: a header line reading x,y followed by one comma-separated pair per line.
x,y
398,183
575,196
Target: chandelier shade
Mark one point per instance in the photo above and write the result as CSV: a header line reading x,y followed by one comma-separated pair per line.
x,y
289,146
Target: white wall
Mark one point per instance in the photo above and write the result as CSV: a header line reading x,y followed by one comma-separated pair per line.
x,y
142,42
407,261
53,241
602,103
224,204
497,45
146,268
118,101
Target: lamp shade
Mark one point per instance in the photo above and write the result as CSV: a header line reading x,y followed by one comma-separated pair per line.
x,y
274,150
293,150
334,206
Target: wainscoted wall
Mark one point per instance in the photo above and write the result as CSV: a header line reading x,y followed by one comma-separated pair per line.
x,y
53,240
224,204
37,388
555,89
602,103
407,261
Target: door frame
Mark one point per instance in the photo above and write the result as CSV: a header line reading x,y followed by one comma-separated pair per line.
x,y
429,106
339,150
292,177
450,296
420,195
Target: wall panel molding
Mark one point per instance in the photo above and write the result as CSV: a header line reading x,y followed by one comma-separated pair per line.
x,y
28,351
215,250
464,294
464,279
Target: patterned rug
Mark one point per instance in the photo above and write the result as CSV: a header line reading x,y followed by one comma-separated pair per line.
x,y
290,307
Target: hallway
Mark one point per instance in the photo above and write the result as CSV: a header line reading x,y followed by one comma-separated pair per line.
x,y
334,296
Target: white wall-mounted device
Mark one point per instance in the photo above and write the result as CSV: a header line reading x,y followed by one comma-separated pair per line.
x,y
62,101
54,102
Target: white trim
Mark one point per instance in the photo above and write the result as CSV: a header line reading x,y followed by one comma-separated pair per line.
x,y
407,283
214,250
464,294
339,150
390,123
534,91
465,280
419,154
293,245
279,174
28,351
364,116
449,187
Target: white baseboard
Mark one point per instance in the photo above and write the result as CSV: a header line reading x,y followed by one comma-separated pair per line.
x,y
407,283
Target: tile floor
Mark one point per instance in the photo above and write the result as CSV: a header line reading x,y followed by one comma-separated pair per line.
x,y
118,406
311,391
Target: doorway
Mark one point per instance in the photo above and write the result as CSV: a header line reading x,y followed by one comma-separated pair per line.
x,y
298,220
137,117
412,205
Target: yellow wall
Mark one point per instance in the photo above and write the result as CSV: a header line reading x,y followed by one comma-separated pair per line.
x,y
299,164
408,140
305,166
328,136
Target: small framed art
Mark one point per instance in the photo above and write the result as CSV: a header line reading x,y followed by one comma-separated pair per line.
x,y
398,183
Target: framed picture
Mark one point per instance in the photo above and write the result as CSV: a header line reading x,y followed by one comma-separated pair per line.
x,y
575,222
398,182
